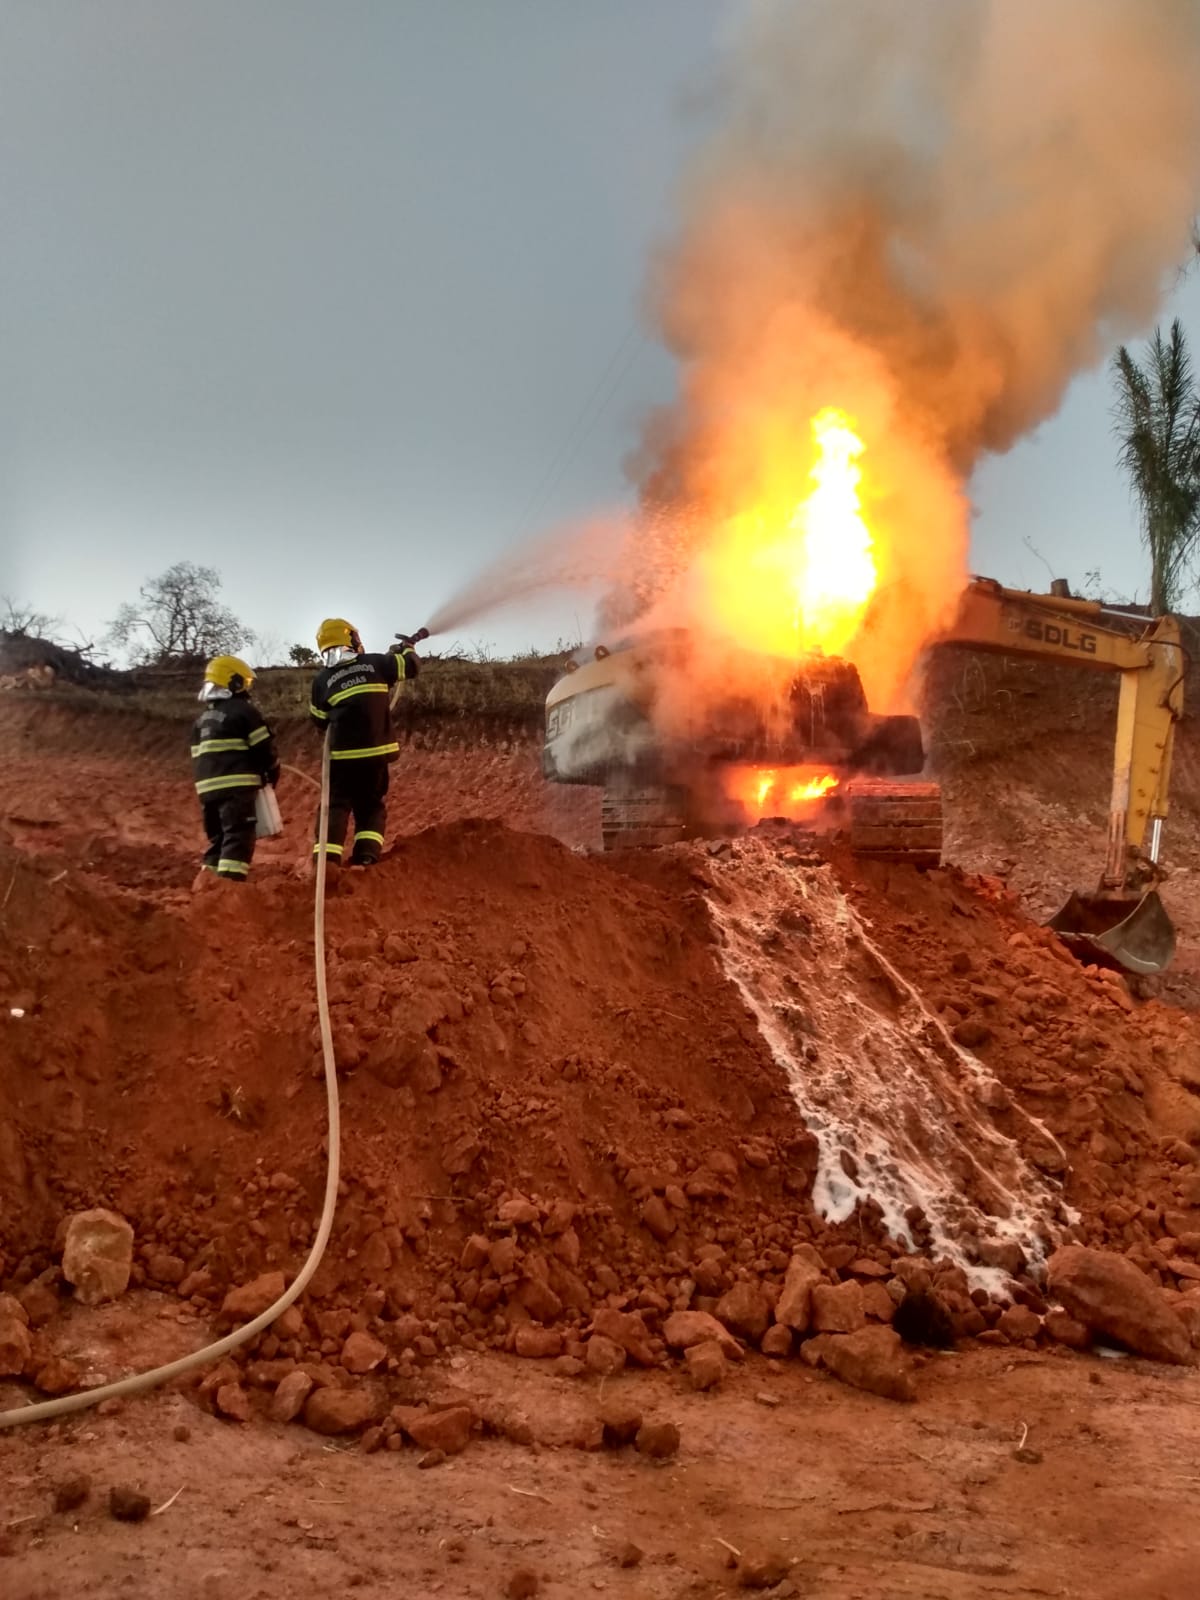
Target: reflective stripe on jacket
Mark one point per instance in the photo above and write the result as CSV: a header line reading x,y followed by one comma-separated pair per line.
x,y
353,699
232,748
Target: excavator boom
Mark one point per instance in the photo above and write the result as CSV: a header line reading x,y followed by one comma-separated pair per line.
x,y
1124,921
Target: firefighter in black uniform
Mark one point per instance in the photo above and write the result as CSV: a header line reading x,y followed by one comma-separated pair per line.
x,y
351,696
233,756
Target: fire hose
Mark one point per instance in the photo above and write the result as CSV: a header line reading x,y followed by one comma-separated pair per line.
x,y
140,1381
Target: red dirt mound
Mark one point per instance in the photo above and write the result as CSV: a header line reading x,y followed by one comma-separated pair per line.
x,y
1115,1081
559,1099
509,1016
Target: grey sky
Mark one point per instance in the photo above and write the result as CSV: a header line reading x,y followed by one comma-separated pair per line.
x,y
317,293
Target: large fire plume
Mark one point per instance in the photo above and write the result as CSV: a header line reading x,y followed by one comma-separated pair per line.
x,y
796,575
915,225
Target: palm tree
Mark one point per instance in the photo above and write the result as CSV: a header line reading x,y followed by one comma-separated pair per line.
x,y
1157,419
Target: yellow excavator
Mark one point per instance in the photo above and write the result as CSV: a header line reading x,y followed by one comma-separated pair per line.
x,y
1124,920
663,780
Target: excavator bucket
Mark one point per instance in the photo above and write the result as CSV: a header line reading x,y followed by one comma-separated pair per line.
x,y
1118,930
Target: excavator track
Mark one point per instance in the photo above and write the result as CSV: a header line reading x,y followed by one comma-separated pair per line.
x,y
640,816
895,821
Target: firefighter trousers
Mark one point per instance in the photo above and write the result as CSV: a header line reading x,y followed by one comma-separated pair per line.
x,y
229,822
358,790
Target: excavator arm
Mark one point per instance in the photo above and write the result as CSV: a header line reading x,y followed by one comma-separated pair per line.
x,y
1150,661
1125,920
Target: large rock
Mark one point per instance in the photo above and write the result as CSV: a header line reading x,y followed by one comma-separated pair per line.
x,y
232,1401
683,1329
448,1429
603,1356
537,1344
657,1218
706,1364
1109,1295
333,1411
871,1359
288,1399
362,1353
98,1255
165,1268
877,1302
1063,1328
289,1324
540,1300
838,1307
1019,1323
621,1419
250,1300
16,1346
628,1330
794,1306
57,1376
745,1309
777,1341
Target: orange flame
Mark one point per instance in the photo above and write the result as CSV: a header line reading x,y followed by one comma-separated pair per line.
x,y
814,789
784,794
796,576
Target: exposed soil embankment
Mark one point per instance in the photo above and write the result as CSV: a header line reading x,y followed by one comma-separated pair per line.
x,y
580,1094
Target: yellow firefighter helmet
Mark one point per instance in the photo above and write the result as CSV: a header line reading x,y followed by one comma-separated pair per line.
x,y
336,633
229,672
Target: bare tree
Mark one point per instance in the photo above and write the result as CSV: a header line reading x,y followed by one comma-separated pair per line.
x,y
1157,418
179,618
24,621
270,650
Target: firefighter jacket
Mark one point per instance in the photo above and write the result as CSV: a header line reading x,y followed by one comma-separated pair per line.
x,y
353,700
232,748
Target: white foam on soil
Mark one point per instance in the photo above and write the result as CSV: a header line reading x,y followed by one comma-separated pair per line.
x,y
898,1108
